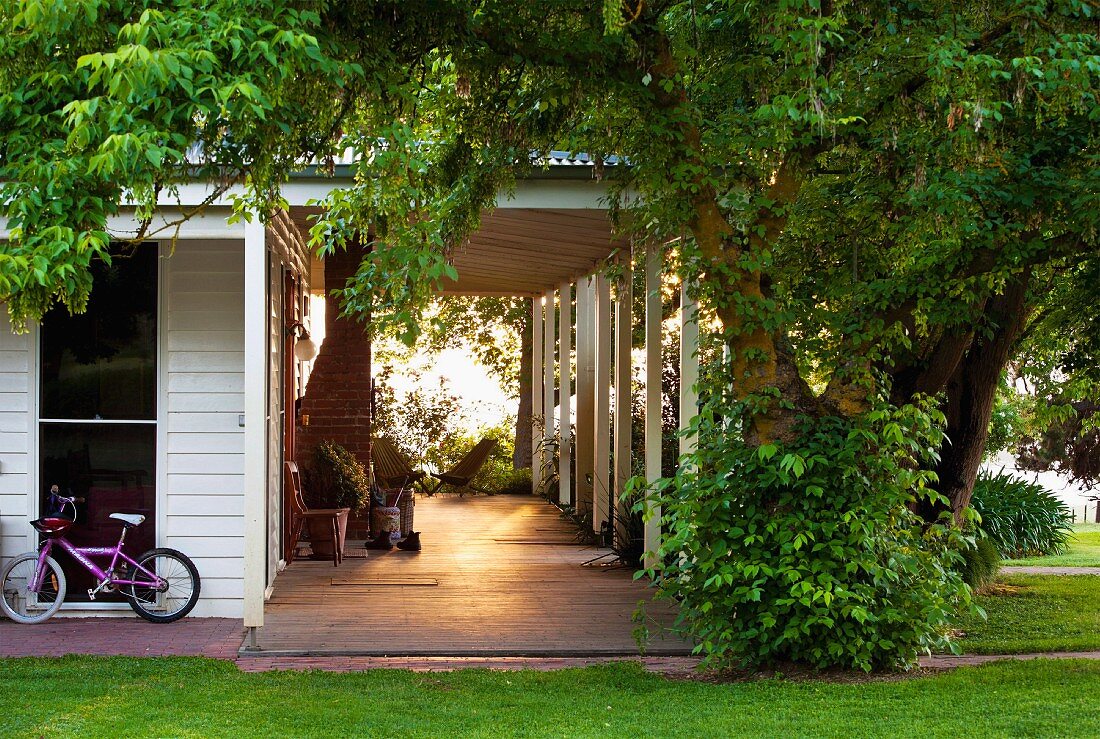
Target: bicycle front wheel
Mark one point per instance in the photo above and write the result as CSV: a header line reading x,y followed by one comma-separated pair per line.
x,y
18,602
178,594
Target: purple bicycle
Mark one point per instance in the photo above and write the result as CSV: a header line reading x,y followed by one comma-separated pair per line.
x,y
161,585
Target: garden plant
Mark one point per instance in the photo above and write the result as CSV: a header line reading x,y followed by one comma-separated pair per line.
x,y
1022,518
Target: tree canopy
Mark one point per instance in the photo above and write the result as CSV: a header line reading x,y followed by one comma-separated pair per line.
x,y
874,198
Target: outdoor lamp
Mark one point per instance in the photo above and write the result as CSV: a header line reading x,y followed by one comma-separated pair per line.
x,y
304,348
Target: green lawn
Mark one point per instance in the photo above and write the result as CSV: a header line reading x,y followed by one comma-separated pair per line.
x,y
183,697
1083,550
1036,613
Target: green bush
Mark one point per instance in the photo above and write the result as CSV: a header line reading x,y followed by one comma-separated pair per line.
x,y
510,482
1022,518
338,479
981,562
810,553
497,473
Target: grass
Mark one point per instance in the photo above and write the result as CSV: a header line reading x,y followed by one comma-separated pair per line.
x,y
1083,550
1036,613
191,697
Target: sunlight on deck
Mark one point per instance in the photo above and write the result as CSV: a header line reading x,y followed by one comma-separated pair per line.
x,y
511,581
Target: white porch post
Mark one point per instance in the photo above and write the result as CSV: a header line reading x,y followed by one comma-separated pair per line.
x,y
585,390
601,437
255,431
565,325
548,372
689,365
622,388
537,374
652,398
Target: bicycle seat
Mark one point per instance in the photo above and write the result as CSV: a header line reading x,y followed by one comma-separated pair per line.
x,y
128,519
51,526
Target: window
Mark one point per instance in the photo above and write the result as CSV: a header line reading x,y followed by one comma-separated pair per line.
x,y
97,407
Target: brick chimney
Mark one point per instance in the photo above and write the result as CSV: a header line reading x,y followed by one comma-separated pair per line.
x,y
337,399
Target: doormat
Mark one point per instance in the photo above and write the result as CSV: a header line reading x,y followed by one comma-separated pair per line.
x,y
385,581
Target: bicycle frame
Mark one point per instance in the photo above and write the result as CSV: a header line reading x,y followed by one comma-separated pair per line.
x,y
83,554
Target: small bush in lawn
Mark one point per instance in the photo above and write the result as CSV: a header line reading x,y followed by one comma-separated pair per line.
x,y
981,563
1022,518
810,552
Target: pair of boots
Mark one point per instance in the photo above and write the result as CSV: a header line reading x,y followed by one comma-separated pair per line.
x,y
382,540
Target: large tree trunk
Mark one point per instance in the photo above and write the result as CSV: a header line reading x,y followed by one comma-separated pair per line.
x,y
521,457
761,360
970,393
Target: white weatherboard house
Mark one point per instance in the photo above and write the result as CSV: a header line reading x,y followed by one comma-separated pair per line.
x,y
175,393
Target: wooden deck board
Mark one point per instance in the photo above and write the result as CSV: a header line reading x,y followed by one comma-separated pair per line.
x,y
494,596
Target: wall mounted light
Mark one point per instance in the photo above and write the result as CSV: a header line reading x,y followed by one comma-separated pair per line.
x,y
304,348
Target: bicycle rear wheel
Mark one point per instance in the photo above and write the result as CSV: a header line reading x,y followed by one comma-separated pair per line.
x,y
17,601
176,598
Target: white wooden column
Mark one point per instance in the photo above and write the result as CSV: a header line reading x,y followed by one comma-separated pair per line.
x,y
565,340
652,397
255,431
601,433
623,334
586,373
689,364
538,374
548,339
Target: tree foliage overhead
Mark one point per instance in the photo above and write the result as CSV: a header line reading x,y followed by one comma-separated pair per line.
x,y
104,102
875,198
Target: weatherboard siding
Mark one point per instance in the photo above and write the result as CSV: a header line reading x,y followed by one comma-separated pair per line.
x,y
203,399
16,387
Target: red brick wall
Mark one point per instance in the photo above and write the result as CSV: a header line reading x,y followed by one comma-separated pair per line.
x,y
337,399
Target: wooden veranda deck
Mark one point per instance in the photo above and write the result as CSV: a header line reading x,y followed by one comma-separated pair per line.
x,y
498,576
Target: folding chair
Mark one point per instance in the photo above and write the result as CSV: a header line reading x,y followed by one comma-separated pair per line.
x,y
465,470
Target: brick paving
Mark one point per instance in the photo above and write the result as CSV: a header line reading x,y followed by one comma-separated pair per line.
x,y
669,666
947,661
220,638
1044,570
127,636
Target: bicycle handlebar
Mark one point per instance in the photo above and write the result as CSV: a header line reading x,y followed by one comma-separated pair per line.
x,y
55,491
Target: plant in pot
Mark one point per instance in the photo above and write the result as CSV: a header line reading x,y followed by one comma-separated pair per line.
x,y
336,480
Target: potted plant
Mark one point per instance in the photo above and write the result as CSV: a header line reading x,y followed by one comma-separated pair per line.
x,y
337,480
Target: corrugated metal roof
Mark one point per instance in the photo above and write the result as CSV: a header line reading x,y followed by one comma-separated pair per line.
x,y
570,159
556,158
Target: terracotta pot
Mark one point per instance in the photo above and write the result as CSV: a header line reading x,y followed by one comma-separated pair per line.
x,y
320,534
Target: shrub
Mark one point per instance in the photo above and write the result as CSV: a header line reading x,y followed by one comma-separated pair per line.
x,y
548,471
629,528
810,552
422,423
338,480
1022,518
497,472
510,482
980,564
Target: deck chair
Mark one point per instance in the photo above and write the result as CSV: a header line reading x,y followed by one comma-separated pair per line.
x,y
391,467
300,512
465,470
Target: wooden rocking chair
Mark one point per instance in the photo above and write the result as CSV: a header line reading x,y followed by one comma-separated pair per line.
x,y
300,513
465,470
391,467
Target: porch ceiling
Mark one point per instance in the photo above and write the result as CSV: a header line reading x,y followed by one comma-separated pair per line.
x,y
525,251
528,251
